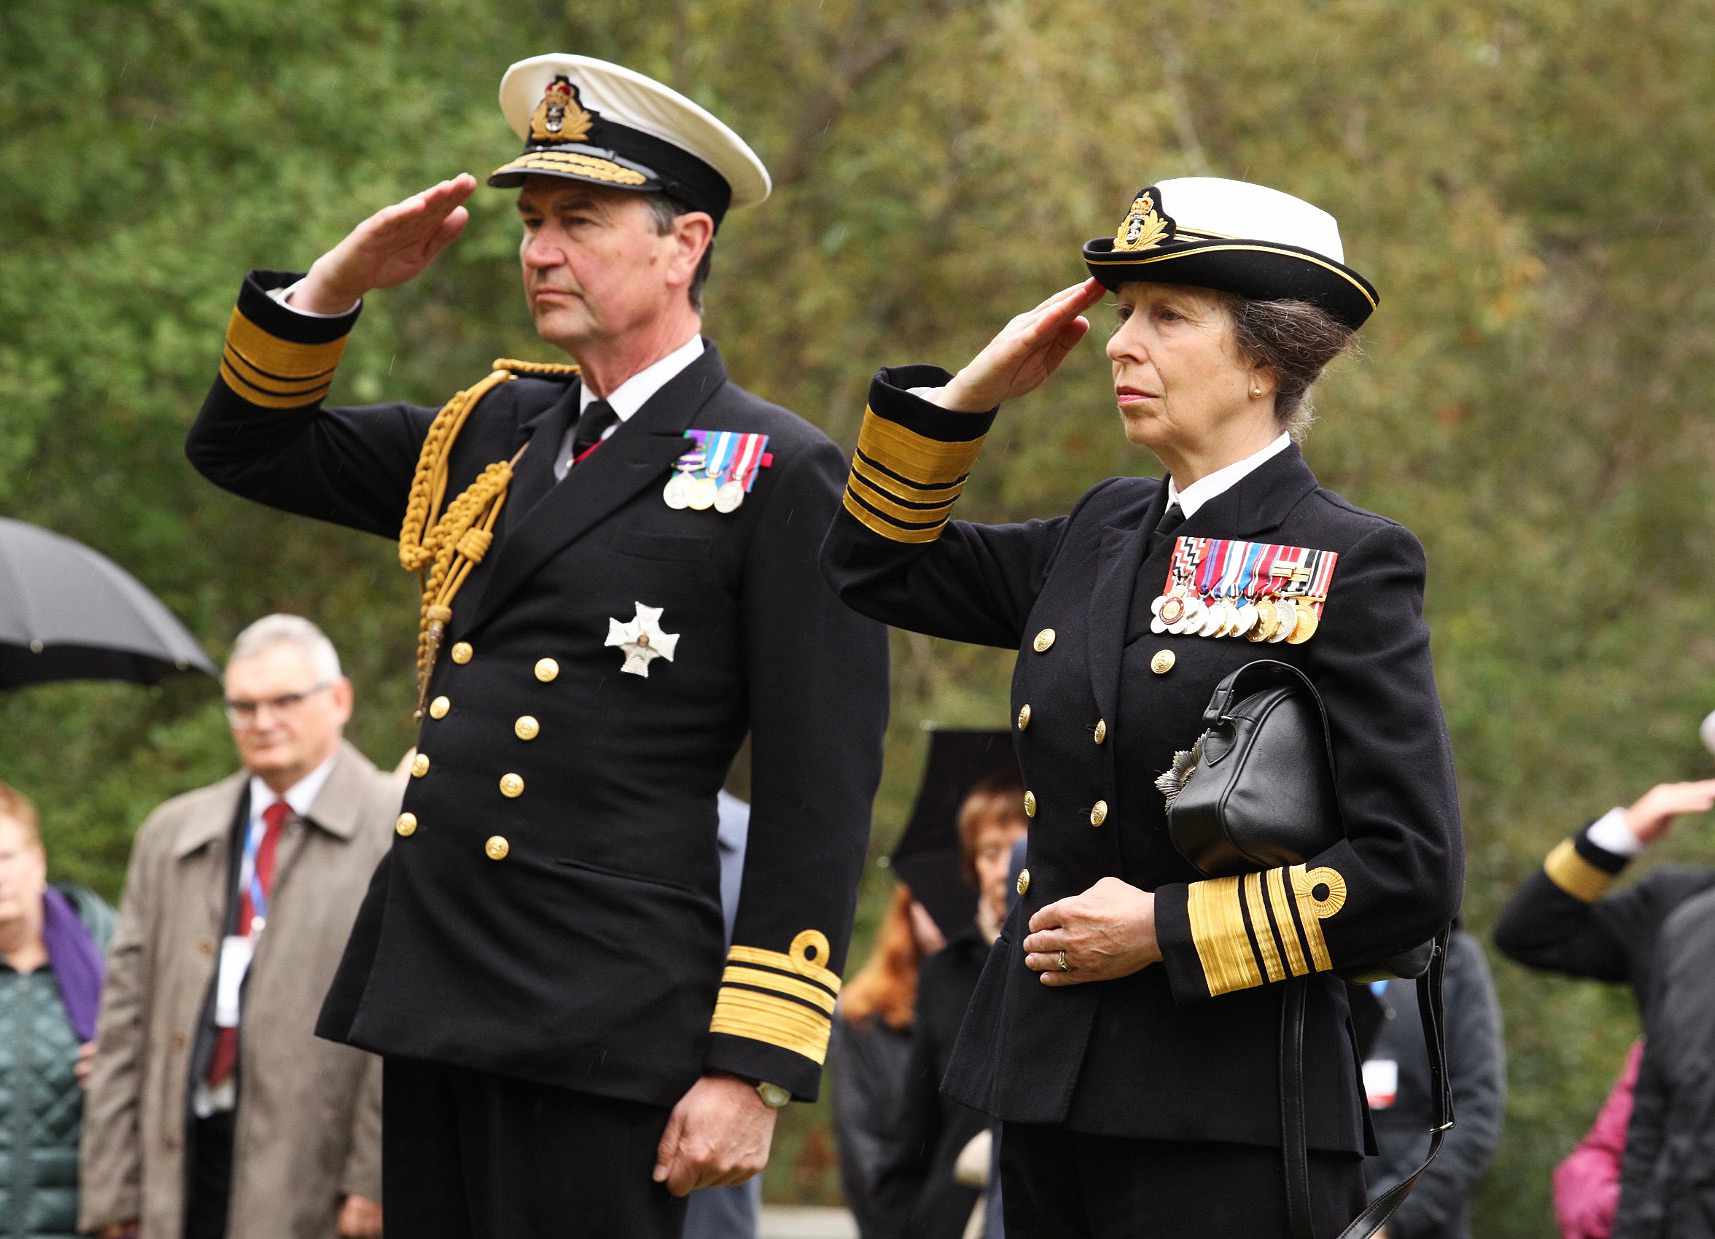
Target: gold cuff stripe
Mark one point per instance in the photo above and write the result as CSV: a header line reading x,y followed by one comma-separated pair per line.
x,y
1250,249
773,1020
1313,911
255,395
271,384
1575,875
1269,948
888,506
249,368
904,489
283,359
925,461
1218,932
578,165
759,978
809,947
880,525
1283,918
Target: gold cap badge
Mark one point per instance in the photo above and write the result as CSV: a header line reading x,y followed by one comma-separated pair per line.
x,y
561,116
1144,226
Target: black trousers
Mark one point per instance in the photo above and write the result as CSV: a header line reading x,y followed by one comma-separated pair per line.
x,y
468,1155
1059,1184
208,1176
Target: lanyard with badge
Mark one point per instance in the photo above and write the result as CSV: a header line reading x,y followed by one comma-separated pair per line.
x,y
237,950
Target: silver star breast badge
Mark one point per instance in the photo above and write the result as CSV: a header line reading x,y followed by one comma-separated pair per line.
x,y
642,640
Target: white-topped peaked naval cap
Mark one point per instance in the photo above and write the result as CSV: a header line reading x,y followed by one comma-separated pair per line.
x,y
1237,237
595,121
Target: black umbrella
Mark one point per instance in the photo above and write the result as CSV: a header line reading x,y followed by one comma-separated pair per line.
x,y
67,613
927,858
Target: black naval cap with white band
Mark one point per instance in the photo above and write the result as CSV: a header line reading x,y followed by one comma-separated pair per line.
x,y
594,121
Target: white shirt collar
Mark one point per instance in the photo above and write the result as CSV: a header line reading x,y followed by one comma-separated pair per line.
x,y
1223,479
634,393
299,797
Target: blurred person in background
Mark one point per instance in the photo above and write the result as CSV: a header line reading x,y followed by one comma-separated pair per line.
x,y
1401,1099
52,938
918,1181
213,1110
1563,919
1138,1098
871,1048
1587,1181
1667,1178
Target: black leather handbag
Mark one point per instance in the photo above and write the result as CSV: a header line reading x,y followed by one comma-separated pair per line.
x,y
1256,791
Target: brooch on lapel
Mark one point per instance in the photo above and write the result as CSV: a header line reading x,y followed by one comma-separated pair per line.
x,y
641,640
718,471
1221,587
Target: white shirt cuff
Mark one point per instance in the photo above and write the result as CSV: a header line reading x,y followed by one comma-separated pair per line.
x,y
281,295
1610,833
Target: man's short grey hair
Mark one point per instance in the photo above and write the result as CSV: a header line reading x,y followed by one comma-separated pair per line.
x,y
293,630
667,209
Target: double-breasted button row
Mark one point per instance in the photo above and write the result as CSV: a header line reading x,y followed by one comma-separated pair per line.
x,y
1024,716
1023,881
405,825
439,706
419,765
1043,640
1163,661
461,652
1029,804
511,785
497,848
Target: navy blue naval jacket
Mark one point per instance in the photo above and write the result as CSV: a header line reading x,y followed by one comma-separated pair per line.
x,y
1186,1050
566,928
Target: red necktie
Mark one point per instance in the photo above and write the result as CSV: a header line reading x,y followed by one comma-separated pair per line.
x,y
273,819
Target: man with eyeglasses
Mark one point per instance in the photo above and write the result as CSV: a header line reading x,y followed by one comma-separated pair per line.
x,y
213,1110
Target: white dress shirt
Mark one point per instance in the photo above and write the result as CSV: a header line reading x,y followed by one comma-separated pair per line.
x,y
1223,479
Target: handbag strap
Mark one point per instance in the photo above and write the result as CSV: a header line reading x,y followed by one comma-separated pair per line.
x,y
1294,1144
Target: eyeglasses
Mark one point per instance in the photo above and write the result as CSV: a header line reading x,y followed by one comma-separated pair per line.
x,y
243,713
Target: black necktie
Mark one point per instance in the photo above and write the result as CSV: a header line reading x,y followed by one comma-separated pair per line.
x,y
592,424
1170,520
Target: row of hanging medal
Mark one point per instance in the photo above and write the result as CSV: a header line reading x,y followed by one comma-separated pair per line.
x,y
1219,587
718,472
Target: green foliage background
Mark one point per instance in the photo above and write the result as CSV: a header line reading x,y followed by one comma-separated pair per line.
x,y
1529,182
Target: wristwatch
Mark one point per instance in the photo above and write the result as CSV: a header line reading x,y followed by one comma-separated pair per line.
x,y
773,1095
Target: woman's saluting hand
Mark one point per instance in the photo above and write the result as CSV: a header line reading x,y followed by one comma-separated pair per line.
x,y
1027,350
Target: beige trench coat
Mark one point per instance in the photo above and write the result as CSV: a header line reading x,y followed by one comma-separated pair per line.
x,y
309,1116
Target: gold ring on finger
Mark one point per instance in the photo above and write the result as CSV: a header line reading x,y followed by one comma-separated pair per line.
x,y
1060,961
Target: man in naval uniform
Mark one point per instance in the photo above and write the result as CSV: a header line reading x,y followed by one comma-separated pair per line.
x,y
619,578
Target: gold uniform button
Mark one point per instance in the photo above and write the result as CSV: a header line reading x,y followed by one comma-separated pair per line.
x,y
497,848
526,728
1101,730
406,825
1029,804
1024,881
1098,813
1044,639
439,706
462,653
1024,716
547,670
511,786
1163,661
420,765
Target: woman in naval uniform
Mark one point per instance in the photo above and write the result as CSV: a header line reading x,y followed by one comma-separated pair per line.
x,y
1126,1026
